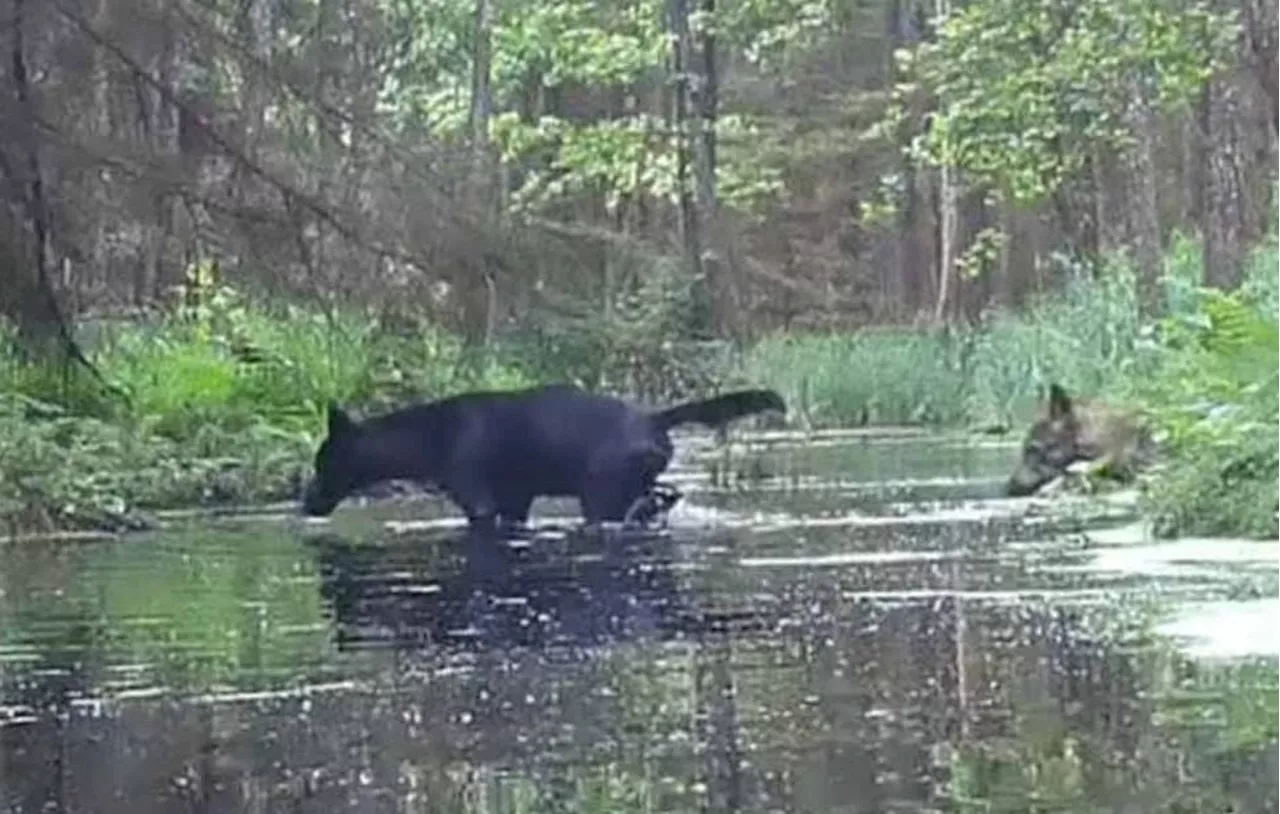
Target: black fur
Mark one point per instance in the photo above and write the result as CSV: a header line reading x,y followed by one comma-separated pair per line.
x,y
714,412
493,453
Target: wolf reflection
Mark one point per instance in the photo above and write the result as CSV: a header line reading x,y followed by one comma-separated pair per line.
x,y
462,593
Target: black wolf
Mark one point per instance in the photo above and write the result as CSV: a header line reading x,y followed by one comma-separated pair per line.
x,y
1068,430
492,453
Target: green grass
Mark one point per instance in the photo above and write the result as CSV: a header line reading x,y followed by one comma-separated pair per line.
x,y
221,405
225,398
1083,336
1207,374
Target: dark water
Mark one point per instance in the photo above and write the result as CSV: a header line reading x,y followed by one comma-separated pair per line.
x,y
845,625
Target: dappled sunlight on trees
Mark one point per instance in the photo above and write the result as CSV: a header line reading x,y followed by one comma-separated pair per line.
x,y
474,160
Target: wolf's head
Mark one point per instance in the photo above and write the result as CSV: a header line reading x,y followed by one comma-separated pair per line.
x,y
1051,445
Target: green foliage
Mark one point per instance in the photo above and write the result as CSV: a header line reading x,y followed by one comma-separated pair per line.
x,y
559,156
617,159
877,377
225,405
622,160
1028,93
1207,376
1082,336
638,345
1214,398
63,470
768,30
226,398
228,363
577,41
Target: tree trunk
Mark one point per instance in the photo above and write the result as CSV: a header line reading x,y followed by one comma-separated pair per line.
x,y
919,254
948,223
1192,166
681,66
1143,204
1108,200
477,287
160,122
948,234
715,294
975,285
1262,30
481,71
1222,216
903,288
27,296
1128,214
1262,59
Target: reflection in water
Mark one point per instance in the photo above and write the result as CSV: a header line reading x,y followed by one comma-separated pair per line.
x,y
984,664
467,593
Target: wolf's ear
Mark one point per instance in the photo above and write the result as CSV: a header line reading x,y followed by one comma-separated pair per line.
x,y
339,422
1059,402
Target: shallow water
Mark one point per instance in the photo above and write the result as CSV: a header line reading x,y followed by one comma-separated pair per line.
x,y
852,623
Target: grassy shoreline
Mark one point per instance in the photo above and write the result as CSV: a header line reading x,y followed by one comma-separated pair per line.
x,y
226,398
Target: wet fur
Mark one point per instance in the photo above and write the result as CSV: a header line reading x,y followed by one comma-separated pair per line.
x,y
493,453
1071,430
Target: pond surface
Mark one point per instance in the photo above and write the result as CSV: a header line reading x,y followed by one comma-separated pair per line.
x,y
851,622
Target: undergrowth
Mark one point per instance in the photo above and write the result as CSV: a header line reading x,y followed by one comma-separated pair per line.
x,y
221,402
1083,336
1212,392
224,397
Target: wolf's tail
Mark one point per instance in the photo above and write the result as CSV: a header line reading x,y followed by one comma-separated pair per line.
x,y
720,410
